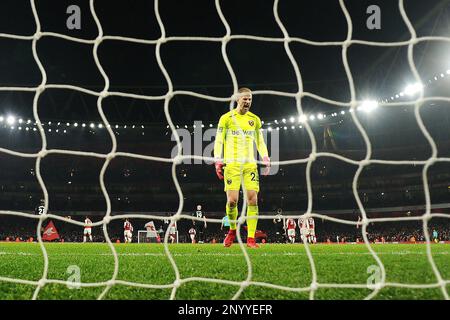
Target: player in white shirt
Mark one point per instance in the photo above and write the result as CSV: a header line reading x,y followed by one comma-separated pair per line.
x,y
311,230
173,231
192,234
87,229
127,231
290,226
303,225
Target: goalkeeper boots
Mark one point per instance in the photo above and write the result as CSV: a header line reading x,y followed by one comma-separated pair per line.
x,y
229,238
251,243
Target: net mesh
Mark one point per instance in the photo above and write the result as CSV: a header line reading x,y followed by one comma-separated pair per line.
x,y
286,40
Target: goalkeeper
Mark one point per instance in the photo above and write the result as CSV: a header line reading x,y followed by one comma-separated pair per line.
x,y
236,132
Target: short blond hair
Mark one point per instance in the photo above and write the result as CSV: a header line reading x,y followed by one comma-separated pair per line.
x,y
244,89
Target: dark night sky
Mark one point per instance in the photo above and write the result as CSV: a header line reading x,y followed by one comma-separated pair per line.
x,y
199,66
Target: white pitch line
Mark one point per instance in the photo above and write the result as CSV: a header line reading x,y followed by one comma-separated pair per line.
x,y
150,254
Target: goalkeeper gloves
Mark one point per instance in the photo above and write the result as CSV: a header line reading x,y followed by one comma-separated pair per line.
x,y
266,162
219,171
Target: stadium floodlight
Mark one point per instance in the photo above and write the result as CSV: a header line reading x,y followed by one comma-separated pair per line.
x,y
448,71
412,89
312,117
65,131
27,128
20,120
270,129
10,120
210,125
368,105
117,126
342,112
125,126
284,120
58,123
34,129
276,121
320,116
28,121
285,128
20,128
67,124
100,125
92,125
292,119
1,118
292,127
49,123
302,118
75,124
83,125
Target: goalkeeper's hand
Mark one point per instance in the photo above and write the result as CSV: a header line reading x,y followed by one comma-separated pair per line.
x,y
219,169
266,162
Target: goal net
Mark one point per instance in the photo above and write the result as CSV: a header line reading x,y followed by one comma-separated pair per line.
x,y
33,39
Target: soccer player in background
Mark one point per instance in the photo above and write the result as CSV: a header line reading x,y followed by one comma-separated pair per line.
x,y
303,225
87,229
279,227
311,230
435,236
127,231
151,232
192,234
173,231
237,131
290,226
40,208
200,225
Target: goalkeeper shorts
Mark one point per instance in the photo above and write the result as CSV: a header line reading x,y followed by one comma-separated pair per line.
x,y
249,172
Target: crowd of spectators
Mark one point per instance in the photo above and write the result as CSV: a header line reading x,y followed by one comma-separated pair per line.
x,y
15,228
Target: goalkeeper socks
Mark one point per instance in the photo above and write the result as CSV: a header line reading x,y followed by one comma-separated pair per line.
x,y
232,215
252,221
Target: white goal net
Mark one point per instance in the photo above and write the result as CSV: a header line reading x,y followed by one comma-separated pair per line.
x,y
286,40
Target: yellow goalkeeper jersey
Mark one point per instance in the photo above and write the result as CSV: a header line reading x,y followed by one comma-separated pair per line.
x,y
235,136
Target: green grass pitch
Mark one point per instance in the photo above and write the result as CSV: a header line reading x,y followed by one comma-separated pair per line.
x,y
279,264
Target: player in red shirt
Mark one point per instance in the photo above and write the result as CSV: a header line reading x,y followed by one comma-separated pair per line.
x,y
311,230
303,225
127,231
87,229
192,234
290,226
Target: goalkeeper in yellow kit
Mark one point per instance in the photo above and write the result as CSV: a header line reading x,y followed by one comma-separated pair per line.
x,y
236,132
